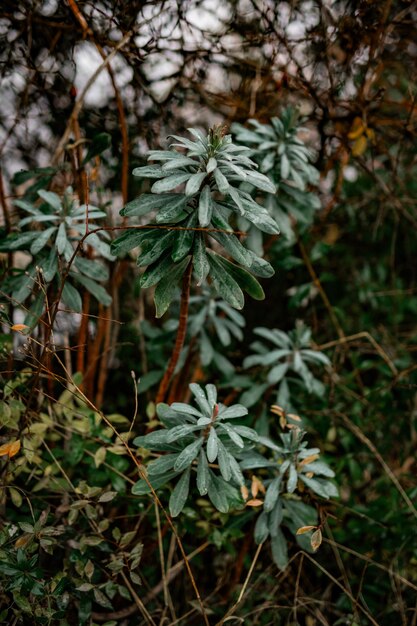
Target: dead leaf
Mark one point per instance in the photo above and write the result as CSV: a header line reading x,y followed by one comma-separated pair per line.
x,y
316,539
10,448
304,529
254,502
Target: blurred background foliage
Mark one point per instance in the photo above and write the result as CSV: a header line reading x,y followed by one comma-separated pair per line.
x,y
87,89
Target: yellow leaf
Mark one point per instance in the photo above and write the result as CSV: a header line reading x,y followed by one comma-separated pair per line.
x,y
23,541
257,486
19,327
254,502
359,146
277,410
245,492
304,529
316,539
357,128
309,459
10,448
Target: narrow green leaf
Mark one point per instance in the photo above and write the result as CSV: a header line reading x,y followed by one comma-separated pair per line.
x,y
279,550
272,494
170,182
188,455
61,238
205,207
163,464
167,286
72,298
184,239
276,517
202,473
217,494
156,271
223,460
194,183
200,261
292,479
244,279
51,198
42,239
212,446
224,283
221,181
261,531
180,494
154,245
231,412
96,290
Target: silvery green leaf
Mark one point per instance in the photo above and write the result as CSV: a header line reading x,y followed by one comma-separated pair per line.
x,y
261,531
151,440
246,432
237,475
217,494
234,436
279,550
319,467
201,399
314,355
181,431
149,171
221,181
51,198
261,181
200,262
211,165
272,494
163,464
149,202
92,268
154,246
167,287
181,407
260,267
95,289
188,455
179,496
141,487
204,421
203,476
252,395
224,284
223,461
323,488
170,182
154,273
184,239
41,240
244,279
212,446
237,410
72,298
181,161
211,393
276,517
277,373
292,479
205,207
194,183
61,238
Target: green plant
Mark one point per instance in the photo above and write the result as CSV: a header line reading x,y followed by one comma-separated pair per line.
x,y
190,224
291,353
286,160
50,234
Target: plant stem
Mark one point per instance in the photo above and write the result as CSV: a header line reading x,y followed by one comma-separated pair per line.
x,y
179,341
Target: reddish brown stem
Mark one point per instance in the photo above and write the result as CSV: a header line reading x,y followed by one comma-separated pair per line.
x,y
179,341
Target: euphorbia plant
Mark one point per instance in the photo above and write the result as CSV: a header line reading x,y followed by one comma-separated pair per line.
x,y
193,200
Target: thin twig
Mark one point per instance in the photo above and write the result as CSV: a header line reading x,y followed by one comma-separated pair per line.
x,y
245,584
362,437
